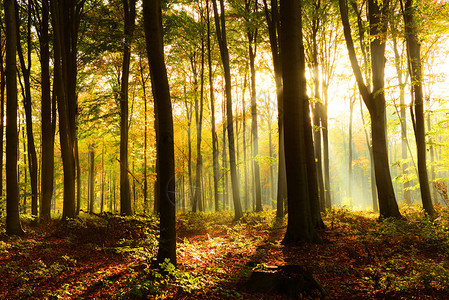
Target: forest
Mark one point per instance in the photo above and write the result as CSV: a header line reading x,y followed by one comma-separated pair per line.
x,y
224,149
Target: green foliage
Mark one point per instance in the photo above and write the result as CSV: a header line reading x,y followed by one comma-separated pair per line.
x,y
155,282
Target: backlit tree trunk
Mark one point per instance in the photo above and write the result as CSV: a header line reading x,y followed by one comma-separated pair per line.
x,y
300,226
13,225
165,143
31,149
414,57
375,100
221,36
273,22
215,146
129,7
47,117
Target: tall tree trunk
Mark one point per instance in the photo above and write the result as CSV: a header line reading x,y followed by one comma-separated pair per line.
x,y
224,161
2,112
199,124
221,36
325,130
317,105
47,132
31,149
414,58
91,178
13,226
375,100
273,22
215,146
371,161
245,160
66,17
300,226
252,49
129,8
189,114
102,179
350,176
403,120
165,144
143,81
432,152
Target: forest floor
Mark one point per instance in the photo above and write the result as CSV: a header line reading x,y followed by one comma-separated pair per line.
x,y
110,257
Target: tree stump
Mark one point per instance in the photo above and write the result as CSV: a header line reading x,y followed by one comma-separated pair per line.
x,y
289,280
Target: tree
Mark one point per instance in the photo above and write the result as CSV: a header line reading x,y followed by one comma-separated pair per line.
x,y
165,143
300,226
375,99
129,8
273,22
66,16
215,148
48,117
414,59
91,177
13,225
2,105
251,33
26,91
220,27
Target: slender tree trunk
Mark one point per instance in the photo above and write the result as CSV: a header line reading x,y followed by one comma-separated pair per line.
x,y
189,113
432,152
31,149
403,120
2,114
300,226
47,132
375,101
254,132
13,226
199,124
245,161
66,19
25,164
145,139
215,146
350,176
129,7
414,58
91,178
371,160
165,144
102,179
221,35
273,30
317,105
224,161
325,130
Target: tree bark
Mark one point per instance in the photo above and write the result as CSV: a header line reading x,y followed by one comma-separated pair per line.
x,y
300,226
13,226
129,8
221,36
273,30
165,143
66,17
215,146
31,149
375,101
91,178
414,59
403,120
47,132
